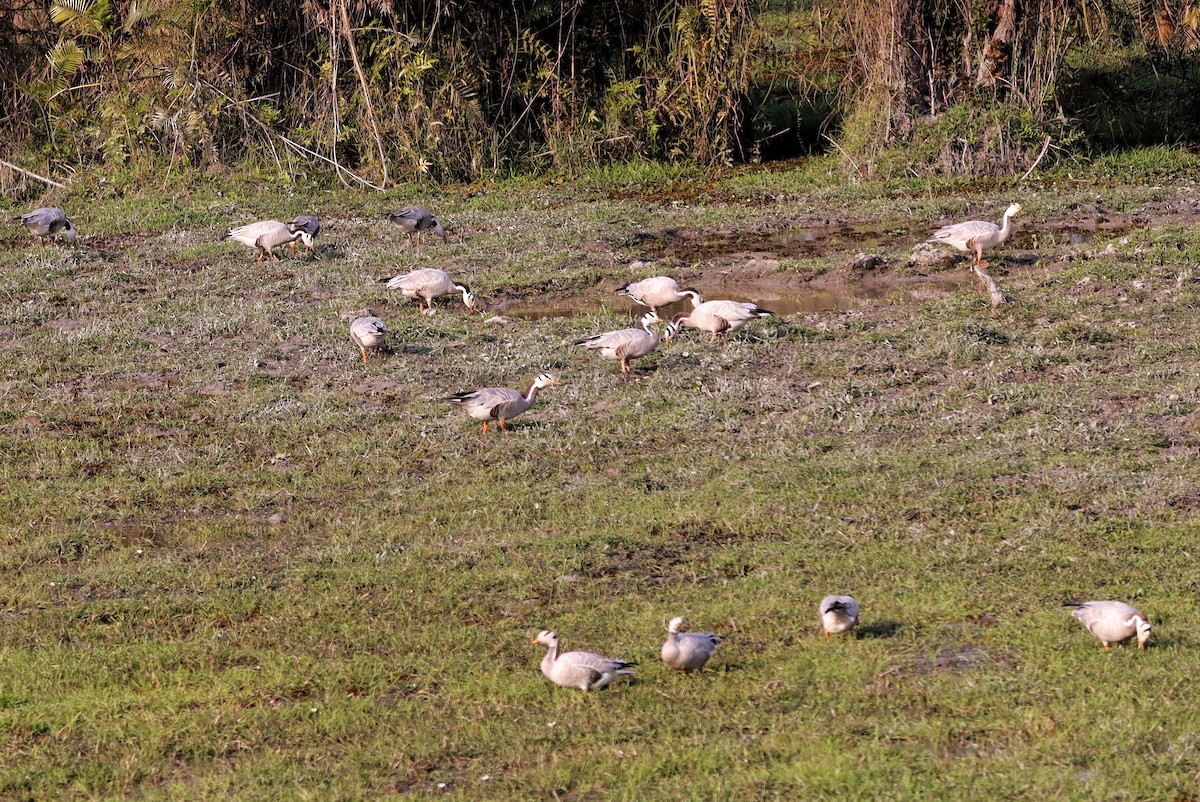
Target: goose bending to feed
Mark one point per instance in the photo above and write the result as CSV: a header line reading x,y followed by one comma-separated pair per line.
x,y
838,614
583,670
368,333
266,236
49,221
429,283
688,651
416,220
500,404
717,317
311,227
625,344
976,236
1112,621
659,291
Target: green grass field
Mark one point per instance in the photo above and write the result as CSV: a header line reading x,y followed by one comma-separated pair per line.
x,y
236,563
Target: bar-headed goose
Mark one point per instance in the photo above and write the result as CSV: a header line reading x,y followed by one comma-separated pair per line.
x,y
49,221
416,220
428,283
1112,621
311,227
368,333
583,670
975,236
688,651
500,404
659,291
625,344
838,614
717,317
266,236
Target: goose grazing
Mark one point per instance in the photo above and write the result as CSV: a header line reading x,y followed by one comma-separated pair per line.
x,y
311,227
717,317
1112,621
688,651
500,403
49,221
838,614
429,283
368,332
416,220
659,291
625,344
583,670
266,236
975,236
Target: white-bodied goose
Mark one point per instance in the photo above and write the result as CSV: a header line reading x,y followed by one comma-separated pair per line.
x,y
416,220
266,236
368,332
688,651
1112,621
311,227
976,236
500,404
625,344
429,283
838,614
49,221
717,317
583,670
659,291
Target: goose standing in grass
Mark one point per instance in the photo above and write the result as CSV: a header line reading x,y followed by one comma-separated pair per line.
x,y
416,220
1112,621
976,236
49,221
311,227
659,291
266,236
583,670
717,317
625,344
838,614
428,283
501,404
368,333
688,651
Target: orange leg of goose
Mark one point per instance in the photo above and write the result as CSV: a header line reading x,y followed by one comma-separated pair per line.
x,y
364,353
485,425
503,425
827,633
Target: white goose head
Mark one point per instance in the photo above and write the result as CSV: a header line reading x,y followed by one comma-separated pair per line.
x,y
675,624
1143,629
546,638
546,380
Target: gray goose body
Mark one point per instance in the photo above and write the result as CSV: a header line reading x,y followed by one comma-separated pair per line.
x,y
586,671
311,227
625,344
428,283
976,236
838,614
688,651
500,404
416,220
658,291
265,236
717,317
368,333
49,221
1113,621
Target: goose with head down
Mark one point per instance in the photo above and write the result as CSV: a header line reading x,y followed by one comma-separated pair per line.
x,y
428,283
717,317
1112,621
416,220
48,222
658,291
266,236
838,614
311,227
625,344
368,333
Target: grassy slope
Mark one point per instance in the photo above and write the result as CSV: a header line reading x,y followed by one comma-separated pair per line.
x,y
960,472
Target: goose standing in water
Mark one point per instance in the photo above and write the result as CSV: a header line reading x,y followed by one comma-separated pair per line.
x,y
416,220
266,236
586,671
659,291
717,317
500,403
368,333
838,614
429,283
688,651
49,221
625,344
1112,621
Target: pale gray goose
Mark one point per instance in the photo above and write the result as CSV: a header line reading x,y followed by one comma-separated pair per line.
x,y
838,613
266,236
416,220
1112,621
659,291
625,344
368,333
688,651
717,317
976,236
428,283
586,671
500,404
49,221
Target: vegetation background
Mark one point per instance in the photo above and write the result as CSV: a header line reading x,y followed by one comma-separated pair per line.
x,y
236,563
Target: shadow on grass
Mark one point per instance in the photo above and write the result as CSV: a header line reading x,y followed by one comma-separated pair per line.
x,y
882,629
